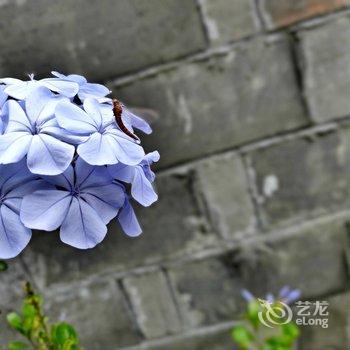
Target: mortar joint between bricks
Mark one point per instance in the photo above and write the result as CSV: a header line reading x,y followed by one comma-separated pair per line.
x,y
253,190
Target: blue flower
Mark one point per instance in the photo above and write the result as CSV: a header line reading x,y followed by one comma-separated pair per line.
x,y
82,201
28,133
3,116
15,182
128,220
140,177
104,143
86,89
20,89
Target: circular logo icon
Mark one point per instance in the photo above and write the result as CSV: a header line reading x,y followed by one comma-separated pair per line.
x,y
274,314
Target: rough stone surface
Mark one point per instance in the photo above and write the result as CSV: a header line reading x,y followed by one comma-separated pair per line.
x,y
336,336
278,13
227,20
221,179
311,259
153,303
101,39
172,227
98,308
325,53
302,177
214,104
209,290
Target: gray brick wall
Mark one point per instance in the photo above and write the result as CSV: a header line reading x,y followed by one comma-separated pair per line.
x,y
253,181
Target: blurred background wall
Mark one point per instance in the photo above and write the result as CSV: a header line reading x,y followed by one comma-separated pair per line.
x,y
254,100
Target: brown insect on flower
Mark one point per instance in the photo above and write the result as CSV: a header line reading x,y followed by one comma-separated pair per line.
x,y
117,111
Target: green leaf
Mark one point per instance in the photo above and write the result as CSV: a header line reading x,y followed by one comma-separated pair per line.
x,y
291,330
63,334
17,345
242,336
3,266
15,321
253,312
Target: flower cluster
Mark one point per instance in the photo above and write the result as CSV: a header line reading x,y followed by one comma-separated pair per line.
x,y
67,160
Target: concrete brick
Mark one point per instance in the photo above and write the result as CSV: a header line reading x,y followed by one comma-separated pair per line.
x,y
172,227
278,13
153,304
227,20
98,311
101,39
205,339
303,177
223,185
325,53
311,258
336,336
218,103
208,291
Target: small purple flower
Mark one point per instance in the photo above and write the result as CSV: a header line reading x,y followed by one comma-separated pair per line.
x,y
82,201
285,295
288,295
140,177
247,295
20,89
15,182
86,90
103,143
28,133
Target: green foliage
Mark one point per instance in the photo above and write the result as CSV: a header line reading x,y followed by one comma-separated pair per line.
x,y
252,334
3,266
35,328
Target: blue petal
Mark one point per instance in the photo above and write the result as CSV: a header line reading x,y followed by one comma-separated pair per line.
x,y
45,209
91,176
135,121
75,120
97,150
49,156
3,96
82,228
122,172
13,235
106,200
20,89
14,146
77,78
126,150
17,118
92,90
65,88
141,189
36,102
128,220
14,198
92,108
65,180
12,175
